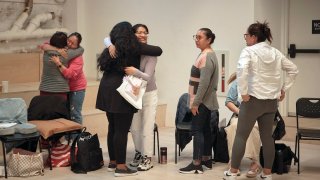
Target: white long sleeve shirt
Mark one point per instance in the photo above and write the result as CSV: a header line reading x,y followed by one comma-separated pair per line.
x,y
259,71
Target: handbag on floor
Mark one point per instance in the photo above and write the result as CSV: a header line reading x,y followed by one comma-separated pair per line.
x,y
126,90
88,154
25,163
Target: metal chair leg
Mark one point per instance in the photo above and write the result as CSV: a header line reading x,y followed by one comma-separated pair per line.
x,y
158,143
154,141
175,148
49,154
4,160
298,155
156,133
295,148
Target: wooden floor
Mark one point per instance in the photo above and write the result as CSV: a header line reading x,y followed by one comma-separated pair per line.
x,y
310,166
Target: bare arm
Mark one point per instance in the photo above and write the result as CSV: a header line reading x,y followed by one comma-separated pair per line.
x,y
232,107
58,63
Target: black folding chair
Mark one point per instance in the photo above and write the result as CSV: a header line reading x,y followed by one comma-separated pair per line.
x,y
306,108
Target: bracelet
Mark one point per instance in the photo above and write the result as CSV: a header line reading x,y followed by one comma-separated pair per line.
x,y
60,66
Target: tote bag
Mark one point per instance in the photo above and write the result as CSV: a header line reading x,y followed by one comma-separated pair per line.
x,y
87,156
126,90
23,163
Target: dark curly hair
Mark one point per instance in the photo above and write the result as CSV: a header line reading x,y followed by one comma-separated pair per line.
x,y
261,31
127,45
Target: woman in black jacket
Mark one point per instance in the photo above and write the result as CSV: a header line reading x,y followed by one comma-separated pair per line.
x,y
119,111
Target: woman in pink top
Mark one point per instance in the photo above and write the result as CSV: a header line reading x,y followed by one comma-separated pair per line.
x,y
77,80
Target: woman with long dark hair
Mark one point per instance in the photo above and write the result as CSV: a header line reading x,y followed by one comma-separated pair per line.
x,y
119,111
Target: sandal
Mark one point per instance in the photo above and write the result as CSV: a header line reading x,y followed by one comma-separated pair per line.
x,y
253,172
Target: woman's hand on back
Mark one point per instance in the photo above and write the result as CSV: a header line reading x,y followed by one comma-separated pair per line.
x,y
63,52
112,51
130,70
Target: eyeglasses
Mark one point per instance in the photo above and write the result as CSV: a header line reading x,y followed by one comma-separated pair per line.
x,y
196,37
245,35
142,33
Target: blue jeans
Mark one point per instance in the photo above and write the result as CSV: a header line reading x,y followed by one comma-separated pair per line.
x,y
76,102
202,136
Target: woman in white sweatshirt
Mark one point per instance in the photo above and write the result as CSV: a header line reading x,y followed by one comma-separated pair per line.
x,y
259,72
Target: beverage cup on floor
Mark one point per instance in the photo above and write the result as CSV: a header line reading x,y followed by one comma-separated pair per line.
x,y
163,155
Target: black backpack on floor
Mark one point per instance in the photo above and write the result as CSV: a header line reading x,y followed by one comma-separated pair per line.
x,y
282,159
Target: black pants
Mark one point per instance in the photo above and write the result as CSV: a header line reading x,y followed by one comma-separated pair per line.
x,y
119,125
202,137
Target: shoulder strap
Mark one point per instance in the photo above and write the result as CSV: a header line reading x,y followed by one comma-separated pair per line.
x,y
73,147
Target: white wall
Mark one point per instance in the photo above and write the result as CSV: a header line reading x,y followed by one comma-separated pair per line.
x,y
300,33
171,24
290,22
275,12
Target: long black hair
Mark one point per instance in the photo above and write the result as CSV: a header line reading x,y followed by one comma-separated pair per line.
x,y
127,45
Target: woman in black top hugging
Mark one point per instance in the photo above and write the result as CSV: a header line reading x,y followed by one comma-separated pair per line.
x,y
119,111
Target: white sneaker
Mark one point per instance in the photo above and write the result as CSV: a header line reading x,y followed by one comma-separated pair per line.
x,y
145,164
230,176
136,160
262,176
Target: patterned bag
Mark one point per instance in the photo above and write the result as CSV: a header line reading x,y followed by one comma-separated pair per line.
x,y
60,155
25,163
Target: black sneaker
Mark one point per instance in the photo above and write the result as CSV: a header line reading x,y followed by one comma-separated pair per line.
x,y
125,172
112,167
191,168
136,160
207,164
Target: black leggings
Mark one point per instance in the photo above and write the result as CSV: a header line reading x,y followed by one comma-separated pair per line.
x,y
119,125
